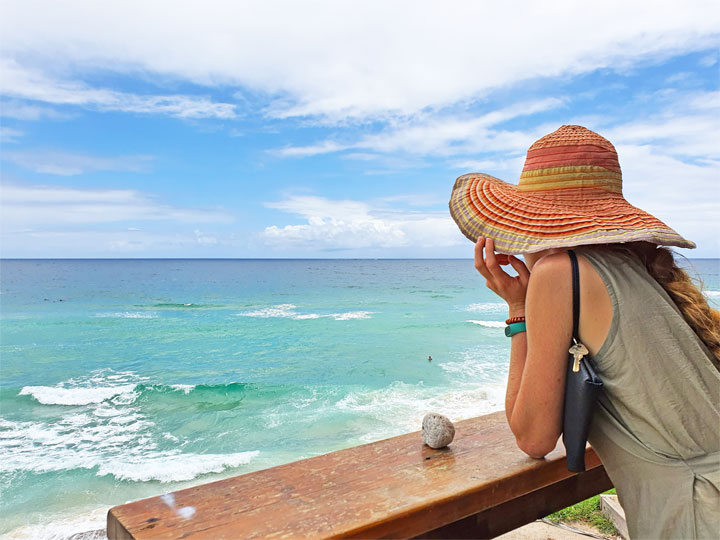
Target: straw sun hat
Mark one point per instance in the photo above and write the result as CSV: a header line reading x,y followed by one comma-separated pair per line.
x,y
569,194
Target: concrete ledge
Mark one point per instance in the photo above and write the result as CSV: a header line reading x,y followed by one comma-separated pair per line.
x,y
610,506
537,530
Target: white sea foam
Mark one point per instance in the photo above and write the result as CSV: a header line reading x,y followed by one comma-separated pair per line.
x,y
713,298
105,410
184,388
489,324
487,307
302,402
63,526
351,315
282,310
480,369
476,386
128,315
172,466
104,377
43,447
75,420
400,407
127,452
111,435
288,311
56,395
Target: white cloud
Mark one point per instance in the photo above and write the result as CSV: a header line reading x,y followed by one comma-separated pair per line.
x,y
30,84
710,59
415,199
671,165
687,127
337,60
100,243
309,206
480,165
685,196
440,135
66,164
36,207
351,225
324,147
670,161
9,135
704,101
204,239
10,108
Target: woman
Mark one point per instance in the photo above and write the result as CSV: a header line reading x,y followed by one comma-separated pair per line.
x,y
653,340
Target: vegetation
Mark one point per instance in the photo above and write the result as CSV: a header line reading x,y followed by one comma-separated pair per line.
x,y
588,512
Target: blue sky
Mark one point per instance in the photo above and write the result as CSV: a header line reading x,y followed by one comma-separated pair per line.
x,y
335,129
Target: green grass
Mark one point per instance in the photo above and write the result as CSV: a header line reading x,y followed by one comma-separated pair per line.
x,y
587,511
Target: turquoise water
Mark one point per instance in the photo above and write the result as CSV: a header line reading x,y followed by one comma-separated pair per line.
x,y
123,379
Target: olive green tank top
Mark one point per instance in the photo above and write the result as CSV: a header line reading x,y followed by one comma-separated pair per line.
x,y
657,425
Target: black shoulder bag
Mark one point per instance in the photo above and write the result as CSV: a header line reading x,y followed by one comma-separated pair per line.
x,y
581,387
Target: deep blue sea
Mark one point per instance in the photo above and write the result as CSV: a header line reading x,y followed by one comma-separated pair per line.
x,y
123,379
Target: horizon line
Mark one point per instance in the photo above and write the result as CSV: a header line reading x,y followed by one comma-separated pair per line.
x,y
2,259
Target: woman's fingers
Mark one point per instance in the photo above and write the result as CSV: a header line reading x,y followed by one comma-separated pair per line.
x,y
491,261
521,269
502,259
487,262
479,259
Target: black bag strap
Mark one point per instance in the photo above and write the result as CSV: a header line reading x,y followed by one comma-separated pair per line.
x,y
576,294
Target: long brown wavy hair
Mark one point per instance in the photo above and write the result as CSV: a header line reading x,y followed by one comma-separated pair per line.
x,y
660,263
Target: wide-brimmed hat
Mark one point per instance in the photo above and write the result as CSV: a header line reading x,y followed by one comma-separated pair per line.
x,y
569,194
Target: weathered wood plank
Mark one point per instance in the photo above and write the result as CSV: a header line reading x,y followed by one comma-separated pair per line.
x,y
395,488
527,508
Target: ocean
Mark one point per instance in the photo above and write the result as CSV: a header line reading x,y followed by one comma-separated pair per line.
x,y
124,379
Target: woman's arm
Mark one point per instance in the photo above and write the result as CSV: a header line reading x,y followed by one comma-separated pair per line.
x,y
518,350
536,387
538,358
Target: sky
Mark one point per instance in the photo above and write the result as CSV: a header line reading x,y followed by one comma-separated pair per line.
x,y
335,129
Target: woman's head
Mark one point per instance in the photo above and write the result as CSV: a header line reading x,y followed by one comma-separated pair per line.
x,y
569,194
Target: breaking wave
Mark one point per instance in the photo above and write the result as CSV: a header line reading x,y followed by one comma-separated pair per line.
x,y
289,311
173,467
57,395
199,397
123,449
127,315
489,324
108,422
487,307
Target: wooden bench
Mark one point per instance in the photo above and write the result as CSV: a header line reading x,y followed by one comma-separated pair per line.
x,y
480,486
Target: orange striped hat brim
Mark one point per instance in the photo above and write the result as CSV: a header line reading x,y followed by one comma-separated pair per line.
x,y
569,194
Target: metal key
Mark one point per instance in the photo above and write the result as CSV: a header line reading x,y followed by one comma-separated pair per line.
x,y
578,350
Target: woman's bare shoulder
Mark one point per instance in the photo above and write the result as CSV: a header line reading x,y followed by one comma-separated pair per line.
x,y
552,267
550,283
550,286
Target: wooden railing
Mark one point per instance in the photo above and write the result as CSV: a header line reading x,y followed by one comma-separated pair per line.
x,y
480,486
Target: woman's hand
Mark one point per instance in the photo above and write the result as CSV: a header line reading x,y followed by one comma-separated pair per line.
x,y
512,289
